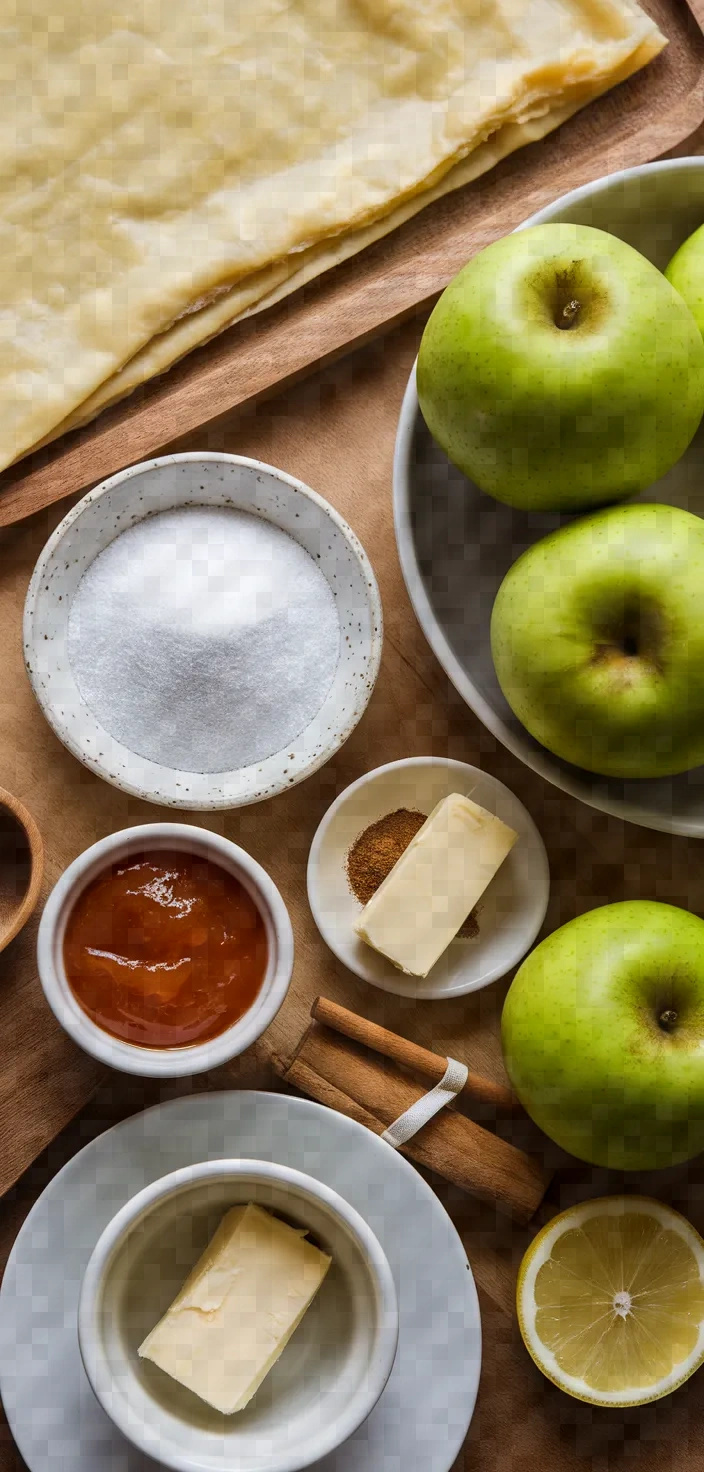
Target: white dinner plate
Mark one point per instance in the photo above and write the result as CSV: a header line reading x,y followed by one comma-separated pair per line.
x,y
510,912
421,1420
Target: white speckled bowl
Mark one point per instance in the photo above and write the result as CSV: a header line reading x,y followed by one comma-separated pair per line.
x,y
199,479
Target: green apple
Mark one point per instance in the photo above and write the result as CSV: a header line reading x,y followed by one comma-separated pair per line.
x,y
686,273
560,370
603,1035
597,634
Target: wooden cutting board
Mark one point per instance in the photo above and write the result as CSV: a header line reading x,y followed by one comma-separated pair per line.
x,y
337,433
636,122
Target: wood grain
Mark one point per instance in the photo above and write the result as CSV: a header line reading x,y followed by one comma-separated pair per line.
x,y
44,1078
399,276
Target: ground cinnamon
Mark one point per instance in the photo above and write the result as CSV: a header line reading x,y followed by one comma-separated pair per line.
x,y
373,855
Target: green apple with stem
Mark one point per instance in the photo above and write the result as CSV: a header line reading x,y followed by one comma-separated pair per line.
x,y
603,1035
597,635
560,370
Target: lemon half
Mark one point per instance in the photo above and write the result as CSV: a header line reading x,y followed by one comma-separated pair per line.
x,y
611,1300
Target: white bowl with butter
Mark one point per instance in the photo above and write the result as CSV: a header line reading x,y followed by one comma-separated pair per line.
x,y
510,911
326,1380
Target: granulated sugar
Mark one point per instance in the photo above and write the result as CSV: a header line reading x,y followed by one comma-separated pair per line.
x,y
204,638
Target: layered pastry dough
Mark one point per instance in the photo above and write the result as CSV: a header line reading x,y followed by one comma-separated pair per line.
x,y
166,169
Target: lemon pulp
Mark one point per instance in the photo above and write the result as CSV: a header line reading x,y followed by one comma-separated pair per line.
x,y
611,1300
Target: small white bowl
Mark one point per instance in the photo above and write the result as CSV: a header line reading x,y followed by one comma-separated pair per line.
x,y
327,1380
164,1062
510,912
199,479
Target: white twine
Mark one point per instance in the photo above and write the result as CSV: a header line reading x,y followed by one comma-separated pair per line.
x,y
412,1120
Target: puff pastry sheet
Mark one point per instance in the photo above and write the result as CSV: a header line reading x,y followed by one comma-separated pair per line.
x,y
167,168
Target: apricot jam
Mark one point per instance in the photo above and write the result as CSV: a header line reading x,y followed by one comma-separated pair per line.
x,y
165,950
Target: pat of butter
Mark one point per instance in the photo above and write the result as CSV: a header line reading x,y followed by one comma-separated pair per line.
x,y
238,1309
420,906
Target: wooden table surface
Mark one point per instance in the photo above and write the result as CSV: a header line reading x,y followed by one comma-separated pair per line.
x,y
336,432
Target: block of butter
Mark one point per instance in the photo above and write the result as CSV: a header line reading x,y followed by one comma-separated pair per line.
x,y
421,904
238,1309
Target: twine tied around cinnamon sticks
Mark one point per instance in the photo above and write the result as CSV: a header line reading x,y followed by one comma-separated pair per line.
x,y
412,1120
332,1064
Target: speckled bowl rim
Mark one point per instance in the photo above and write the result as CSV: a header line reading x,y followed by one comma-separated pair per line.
x,y
217,799
165,1063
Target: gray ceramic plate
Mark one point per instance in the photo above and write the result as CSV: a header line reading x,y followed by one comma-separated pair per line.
x,y
420,1421
456,544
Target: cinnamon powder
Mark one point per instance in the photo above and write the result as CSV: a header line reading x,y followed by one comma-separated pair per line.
x,y
373,855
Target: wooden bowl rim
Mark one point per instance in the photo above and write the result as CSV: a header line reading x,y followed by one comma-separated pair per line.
x,y
36,854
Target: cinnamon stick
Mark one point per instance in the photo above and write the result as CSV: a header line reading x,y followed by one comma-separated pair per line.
x,y
451,1144
305,1078
489,1269
483,1091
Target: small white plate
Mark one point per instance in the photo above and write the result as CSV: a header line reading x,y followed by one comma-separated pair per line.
x,y
224,481
421,1420
510,913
